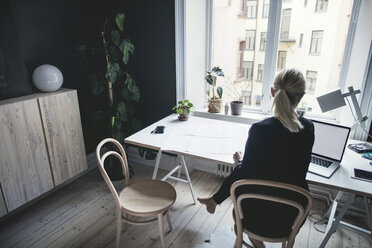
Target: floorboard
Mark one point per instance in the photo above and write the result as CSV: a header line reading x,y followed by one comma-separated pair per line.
x,y
82,214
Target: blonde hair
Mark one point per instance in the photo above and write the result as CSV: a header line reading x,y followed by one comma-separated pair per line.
x,y
289,86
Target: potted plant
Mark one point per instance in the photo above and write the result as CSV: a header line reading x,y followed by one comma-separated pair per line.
x,y
183,109
215,102
110,79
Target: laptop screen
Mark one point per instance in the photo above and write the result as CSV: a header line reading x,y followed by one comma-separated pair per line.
x,y
330,140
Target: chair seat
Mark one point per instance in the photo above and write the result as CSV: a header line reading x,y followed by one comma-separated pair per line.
x,y
147,198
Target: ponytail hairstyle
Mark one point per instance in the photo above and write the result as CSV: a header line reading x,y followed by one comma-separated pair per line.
x,y
289,87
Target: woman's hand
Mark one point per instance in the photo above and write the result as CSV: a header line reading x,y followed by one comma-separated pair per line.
x,y
238,156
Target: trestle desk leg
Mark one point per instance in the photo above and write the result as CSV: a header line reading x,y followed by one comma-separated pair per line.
x,y
157,162
332,224
369,221
188,178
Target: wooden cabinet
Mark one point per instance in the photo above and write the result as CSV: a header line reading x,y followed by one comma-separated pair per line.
x,y
41,145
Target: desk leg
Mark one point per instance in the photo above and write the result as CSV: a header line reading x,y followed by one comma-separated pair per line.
x,y
332,224
369,221
188,178
156,165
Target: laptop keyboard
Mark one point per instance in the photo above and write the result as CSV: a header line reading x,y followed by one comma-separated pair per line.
x,y
320,162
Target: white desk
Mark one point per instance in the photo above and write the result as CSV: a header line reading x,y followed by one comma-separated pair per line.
x,y
181,138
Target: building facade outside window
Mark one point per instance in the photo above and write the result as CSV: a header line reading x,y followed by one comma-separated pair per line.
x,y
260,71
248,70
321,5
252,9
263,41
286,20
302,34
282,57
265,8
310,82
316,42
250,36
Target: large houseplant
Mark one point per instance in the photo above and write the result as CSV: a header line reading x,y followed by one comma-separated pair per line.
x,y
113,80
215,102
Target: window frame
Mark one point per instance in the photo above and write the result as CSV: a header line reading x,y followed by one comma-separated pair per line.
x,y
270,60
318,48
250,40
251,14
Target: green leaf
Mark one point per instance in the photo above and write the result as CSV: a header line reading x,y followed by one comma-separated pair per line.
x,y
98,84
190,105
135,93
115,36
219,91
114,54
113,121
119,136
180,111
180,102
119,19
125,94
121,111
112,72
117,125
127,48
186,101
187,111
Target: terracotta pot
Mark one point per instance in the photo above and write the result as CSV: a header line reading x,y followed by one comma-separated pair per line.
x,y
214,105
236,107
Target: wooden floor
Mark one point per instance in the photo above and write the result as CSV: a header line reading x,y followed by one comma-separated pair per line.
x,y
82,214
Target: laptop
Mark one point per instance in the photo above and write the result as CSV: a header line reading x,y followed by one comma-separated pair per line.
x,y
328,149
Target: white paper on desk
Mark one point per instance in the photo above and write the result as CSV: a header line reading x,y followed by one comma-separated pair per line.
x,y
185,130
210,145
177,143
221,131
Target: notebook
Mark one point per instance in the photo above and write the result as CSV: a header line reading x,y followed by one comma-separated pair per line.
x,y
328,149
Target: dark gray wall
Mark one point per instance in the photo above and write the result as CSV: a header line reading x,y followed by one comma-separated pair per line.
x,y
50,31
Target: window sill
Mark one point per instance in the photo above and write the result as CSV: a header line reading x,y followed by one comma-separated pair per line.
x,y
245,117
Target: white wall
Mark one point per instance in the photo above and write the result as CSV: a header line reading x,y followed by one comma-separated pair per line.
x,y
358,57
196,51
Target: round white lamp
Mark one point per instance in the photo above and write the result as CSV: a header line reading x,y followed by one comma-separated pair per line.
x,y
47,78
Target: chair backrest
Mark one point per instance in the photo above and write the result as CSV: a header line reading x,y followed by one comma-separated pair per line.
x,y
101,161
302,210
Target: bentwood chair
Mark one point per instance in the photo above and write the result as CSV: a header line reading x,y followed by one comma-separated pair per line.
x,y
242,186
144,199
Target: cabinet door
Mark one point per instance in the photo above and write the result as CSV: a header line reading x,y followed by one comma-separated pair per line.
x,y
64,136
24,172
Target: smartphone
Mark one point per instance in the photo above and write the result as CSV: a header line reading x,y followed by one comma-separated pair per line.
x,y
158,129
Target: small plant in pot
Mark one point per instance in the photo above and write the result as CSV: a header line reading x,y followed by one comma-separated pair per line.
x,y
239,89
215,102
183,109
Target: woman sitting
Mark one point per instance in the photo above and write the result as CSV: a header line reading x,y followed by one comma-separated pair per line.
x,y
277,149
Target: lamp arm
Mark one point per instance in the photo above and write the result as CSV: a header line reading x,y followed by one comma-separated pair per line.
x,y
352,93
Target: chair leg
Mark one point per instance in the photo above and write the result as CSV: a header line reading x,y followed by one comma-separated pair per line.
x,y
169,221
118,228
161,229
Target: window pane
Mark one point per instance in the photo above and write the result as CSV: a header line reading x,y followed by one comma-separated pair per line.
x,y
286,19
251,8
238,47
315,45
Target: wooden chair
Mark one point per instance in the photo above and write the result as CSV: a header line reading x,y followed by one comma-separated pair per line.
x,y
238,213
146,198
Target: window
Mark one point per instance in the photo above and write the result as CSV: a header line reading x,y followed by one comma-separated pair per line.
x,y
250,36
282,56
248,70
286,19
310,82
263,41
265,8
252,9
316,42
301,40
292,27
243,8
260,72
321,5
